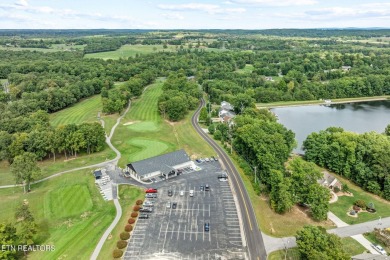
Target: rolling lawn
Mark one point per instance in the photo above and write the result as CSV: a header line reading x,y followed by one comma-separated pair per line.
x,y
70,211
344,203
143,133
84,111
128,195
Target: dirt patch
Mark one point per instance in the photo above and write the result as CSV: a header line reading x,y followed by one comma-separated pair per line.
x,y
70,159
340,193
131,122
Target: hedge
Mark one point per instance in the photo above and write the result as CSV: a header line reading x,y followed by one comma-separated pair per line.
x,y
117,253
139,202
128,228
136,208
134,214
124,235
121,244
131,221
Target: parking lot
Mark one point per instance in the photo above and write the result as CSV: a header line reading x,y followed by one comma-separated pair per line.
x,y
179,233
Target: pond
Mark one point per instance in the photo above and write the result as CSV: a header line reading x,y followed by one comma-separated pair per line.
x,y
357,117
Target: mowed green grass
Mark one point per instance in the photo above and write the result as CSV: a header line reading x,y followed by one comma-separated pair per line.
x,y
143,133
129,51
73,235
290,254
351,246
84,111
246,70
69,201
128,195
345,203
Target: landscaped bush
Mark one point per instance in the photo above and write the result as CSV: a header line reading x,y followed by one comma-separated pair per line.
x,y
134,214
136,207
139,202
360,203
345,188
124,235
128,228
131,221
336,189
117,253
356,208
121,244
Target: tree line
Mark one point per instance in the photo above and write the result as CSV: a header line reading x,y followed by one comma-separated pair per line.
x,y
362,158
264,147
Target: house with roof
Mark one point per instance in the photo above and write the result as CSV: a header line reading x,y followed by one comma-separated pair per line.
x,y
166,165
346,68
329,181
226,112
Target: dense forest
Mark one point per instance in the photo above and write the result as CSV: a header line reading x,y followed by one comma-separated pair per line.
x,y
362,158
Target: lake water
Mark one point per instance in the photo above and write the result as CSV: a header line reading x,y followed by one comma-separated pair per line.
x,y
356,117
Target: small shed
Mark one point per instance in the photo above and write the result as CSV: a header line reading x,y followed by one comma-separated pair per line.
x,y
98,174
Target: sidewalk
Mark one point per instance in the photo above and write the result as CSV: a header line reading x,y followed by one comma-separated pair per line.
x,y
359,238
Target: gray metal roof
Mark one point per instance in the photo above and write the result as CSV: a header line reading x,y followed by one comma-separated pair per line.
x,y
163,163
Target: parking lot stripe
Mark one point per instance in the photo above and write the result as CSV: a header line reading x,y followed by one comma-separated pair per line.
x,y
177,238
185,228
209,210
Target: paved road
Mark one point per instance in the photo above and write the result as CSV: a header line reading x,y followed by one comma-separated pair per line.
x,y
252,234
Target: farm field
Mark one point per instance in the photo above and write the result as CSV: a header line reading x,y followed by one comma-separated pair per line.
x,y
128,195
129,51
143,133
71,214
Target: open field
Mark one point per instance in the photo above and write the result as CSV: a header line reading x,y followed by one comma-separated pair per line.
x,y
344,203
84,111
49,167
54,48
246,70
129,51
128,195
316,102
73,225
271,223
143,133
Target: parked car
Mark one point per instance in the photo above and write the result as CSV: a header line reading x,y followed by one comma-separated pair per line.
x,y
211,159
148,209
201,160
170,193
168,205
151,195
207,227
215,158
379,249
201,188
207,159
191,193
148,204
143,216
198,161
174,205
207,187
151,190
182,193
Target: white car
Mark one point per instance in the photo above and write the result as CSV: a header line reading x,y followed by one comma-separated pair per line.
x,y
379,249
147,204
207,159
191,193
182,193
168,205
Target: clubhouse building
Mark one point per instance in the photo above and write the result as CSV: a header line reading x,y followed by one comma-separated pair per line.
x,y
166,165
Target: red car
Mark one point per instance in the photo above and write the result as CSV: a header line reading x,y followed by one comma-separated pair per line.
x,y
151,190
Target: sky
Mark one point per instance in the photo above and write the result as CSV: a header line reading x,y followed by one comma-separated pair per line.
x,y
193,14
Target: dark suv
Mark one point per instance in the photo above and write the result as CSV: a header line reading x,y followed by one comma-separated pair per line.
x,y
207,227
170,193
207,187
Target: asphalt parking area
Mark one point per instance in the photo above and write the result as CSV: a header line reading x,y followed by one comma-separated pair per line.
x,y
179,233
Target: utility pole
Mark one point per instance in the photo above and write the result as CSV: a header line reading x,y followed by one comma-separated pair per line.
x,y
255,174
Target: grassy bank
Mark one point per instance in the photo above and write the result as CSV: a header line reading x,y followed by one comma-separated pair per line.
x,y
71,213
128,195
316,102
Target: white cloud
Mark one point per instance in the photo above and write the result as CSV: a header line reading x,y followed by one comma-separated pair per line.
x,y
22,3
208,8
173,16
275,3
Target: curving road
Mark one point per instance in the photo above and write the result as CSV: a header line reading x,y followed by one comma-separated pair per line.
x,y
252,234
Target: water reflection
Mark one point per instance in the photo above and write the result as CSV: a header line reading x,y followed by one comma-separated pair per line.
x,y
358,117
